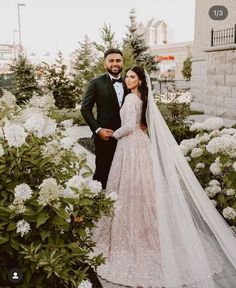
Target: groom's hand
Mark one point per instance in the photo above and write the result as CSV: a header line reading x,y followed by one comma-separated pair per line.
x,y
105,134
144,127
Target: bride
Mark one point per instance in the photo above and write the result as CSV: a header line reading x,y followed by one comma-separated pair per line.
x,y
165,232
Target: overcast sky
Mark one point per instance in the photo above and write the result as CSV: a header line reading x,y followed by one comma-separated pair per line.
x,y
52,25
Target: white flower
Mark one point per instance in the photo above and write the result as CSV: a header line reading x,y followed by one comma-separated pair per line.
x,y
188,158
66,143
214,182
188,144
18,206
196,126
76,181
8,98
14,134
209,124
234,166
1,150
196,152
67,123
95,186
215,168
68,193
213,123
200,165
229,131
222,145
229,213
85,284
44,102
229,192
203,138
212,191
214,202
23,192
40,125
113,196
49,128
69,209
28,113
49,192
214,133
22,227
51,148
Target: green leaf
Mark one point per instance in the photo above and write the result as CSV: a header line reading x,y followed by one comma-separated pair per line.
x,y
28,276
4,239
42,218
58,221
61,213
85,201
44,234
86,174
14,244
82,232
11,226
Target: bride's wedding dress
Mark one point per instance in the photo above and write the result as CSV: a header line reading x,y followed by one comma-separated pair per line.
x,y
165,232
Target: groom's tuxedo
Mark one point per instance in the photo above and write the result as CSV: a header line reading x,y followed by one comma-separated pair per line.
x,y
101,92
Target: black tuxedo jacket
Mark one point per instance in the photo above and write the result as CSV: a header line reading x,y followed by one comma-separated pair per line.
x,y
100,92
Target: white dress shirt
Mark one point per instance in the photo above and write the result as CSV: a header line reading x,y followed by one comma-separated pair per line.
x,y
118,86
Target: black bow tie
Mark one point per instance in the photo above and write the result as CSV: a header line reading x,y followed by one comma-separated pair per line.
x,y
114,80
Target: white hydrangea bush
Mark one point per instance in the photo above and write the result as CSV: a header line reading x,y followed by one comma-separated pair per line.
x,y
48,204
212,156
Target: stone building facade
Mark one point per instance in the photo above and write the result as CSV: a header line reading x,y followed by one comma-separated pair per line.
x,y
159,38
213,83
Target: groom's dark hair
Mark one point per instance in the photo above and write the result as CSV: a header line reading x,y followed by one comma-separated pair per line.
x,y
112,51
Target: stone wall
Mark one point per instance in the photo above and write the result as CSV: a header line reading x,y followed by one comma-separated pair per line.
x,y
202,42
221,82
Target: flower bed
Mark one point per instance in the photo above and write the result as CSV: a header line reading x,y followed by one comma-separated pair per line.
x,y
212,156
48,205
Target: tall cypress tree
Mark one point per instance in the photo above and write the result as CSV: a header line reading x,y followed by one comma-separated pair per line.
x,y
108,41
24,79
135,41
58,82
83,63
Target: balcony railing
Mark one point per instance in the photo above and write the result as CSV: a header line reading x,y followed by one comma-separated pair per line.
x,y
224,36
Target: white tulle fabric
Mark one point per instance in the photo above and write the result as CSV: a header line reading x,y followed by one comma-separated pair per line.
x,y
165,232
197,246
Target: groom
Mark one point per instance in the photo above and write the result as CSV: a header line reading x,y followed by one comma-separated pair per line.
x,y
107,92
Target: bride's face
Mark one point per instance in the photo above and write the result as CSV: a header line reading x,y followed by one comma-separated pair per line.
x,y
131,79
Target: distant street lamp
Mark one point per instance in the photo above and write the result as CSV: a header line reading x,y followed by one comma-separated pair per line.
x,y
14,43
18,7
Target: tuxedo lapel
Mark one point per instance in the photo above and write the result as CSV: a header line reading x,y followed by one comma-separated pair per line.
x,y
111,90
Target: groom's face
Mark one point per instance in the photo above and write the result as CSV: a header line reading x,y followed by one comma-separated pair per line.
x,y
113,64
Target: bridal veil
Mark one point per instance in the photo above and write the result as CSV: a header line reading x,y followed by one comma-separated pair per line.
x,y
197,247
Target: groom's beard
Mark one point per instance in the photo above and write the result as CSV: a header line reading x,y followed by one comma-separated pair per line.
x,y
115,74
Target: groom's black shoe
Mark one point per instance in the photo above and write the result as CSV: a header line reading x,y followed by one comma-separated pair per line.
x,y
94,279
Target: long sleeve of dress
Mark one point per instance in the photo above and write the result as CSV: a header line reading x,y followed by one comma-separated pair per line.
x,y
129,122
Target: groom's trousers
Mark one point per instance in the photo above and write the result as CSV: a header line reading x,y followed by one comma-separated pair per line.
x,y
104,152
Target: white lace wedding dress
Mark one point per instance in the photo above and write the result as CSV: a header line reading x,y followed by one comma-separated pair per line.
x,y
130,238
139,251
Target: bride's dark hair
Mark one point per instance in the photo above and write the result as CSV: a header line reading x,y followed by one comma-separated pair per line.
x,y
143,89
